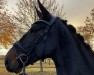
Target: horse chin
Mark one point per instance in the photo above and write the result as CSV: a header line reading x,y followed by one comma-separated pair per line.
x,y
18,71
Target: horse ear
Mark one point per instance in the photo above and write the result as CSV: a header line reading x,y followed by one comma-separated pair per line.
x,y
46,15
38,13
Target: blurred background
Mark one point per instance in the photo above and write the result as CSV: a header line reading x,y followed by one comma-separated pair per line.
x,y
16,17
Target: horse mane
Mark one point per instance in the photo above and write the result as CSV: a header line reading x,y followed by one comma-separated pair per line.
x,y
72,29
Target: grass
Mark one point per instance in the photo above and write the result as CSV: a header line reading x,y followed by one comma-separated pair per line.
x,y
42,73
31,70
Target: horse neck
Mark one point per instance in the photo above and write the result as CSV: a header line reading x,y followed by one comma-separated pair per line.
x,y
58,60
66,44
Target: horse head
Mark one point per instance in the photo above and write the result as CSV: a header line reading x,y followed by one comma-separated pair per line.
x,y
51,37
38,43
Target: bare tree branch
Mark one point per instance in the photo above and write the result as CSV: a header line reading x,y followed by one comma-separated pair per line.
x,y
88,30
26,13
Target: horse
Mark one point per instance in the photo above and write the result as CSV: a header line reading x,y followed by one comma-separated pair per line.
x,y
51,37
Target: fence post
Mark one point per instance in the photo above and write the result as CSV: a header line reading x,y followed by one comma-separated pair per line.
x,y
41,66
49,61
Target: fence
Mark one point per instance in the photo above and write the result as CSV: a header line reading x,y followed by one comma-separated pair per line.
x,y
47,66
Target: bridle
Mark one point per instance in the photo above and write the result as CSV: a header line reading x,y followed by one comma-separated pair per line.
x,y
23,58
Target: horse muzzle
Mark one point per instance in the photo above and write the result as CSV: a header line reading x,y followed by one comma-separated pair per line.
x,y
12,68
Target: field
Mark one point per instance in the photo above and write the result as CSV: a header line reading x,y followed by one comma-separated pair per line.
x,y
31,70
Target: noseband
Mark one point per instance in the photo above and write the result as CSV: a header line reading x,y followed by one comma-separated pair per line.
x,y
27,55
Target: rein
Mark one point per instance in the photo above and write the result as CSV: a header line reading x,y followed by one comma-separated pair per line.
x,y
23,58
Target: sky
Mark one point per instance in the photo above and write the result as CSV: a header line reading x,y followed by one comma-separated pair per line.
x,y
76,10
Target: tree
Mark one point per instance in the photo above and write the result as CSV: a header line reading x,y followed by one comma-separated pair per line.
x,y
26,13
88,30
2,3
6,27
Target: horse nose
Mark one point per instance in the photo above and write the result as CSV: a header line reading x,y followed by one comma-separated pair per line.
x,y
7,66
6,63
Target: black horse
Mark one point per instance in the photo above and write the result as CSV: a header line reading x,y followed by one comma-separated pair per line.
x,y
51,37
